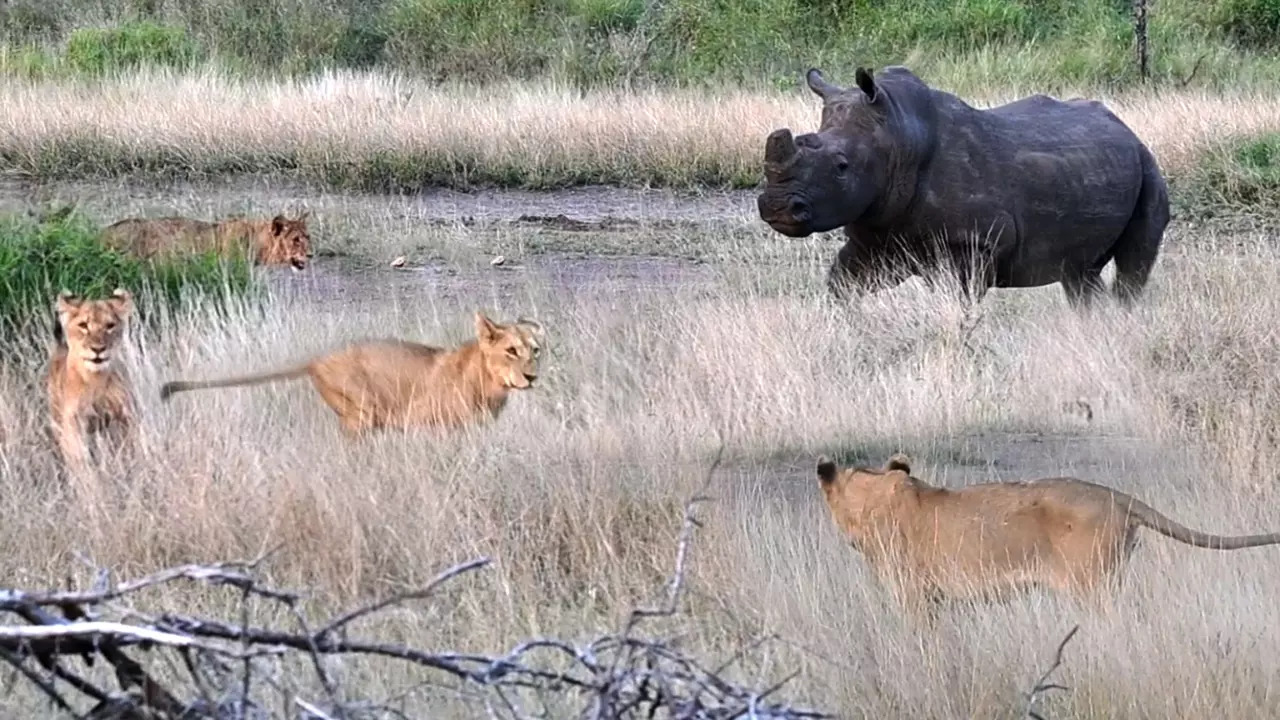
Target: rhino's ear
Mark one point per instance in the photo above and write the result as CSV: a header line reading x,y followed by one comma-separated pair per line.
x,y
867,84
819,85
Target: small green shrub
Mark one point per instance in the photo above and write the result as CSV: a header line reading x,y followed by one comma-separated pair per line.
x,y
1242,174
1255,23
28,62
973,23
360,46
97,50
41,256
604,16
479,39
29,21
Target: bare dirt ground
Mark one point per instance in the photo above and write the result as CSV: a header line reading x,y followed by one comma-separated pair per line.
x,y
599,205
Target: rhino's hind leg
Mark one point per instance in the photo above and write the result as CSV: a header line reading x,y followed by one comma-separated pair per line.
x,y
1081,288
1138,246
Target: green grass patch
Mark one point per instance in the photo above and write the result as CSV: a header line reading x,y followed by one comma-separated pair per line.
x,y
94,51
60,250
1239,175
592,43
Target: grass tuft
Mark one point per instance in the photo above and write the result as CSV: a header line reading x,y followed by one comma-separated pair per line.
x,y
95,51
1238,175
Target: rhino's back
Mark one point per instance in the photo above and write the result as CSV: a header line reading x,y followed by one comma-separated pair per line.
x,y
1056,181
1044,123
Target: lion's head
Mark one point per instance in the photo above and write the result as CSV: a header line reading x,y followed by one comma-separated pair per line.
x,y
92,328
510,352
857,496
285,241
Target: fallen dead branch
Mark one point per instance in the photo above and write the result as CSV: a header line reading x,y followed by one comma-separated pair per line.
x,y
218,668
1043,685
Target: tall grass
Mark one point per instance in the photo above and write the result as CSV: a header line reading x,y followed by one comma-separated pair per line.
x,y
387,132
576,490
590,43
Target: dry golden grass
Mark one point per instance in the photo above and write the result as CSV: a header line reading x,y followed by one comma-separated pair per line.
x,y
383,130
576,491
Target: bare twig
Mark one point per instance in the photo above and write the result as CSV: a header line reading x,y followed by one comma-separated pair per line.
x,y
45,686
676,583
442,578
1041,685
1195,66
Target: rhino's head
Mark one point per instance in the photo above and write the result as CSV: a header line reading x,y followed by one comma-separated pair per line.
x,y
820,181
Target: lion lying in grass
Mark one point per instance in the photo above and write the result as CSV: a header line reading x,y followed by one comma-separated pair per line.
x,y
278,241
983,541
394,383
88,393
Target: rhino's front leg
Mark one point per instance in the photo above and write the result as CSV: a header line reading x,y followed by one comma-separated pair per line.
x,y
858,269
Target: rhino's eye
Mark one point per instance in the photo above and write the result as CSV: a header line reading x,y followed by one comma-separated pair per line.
x,y
842,165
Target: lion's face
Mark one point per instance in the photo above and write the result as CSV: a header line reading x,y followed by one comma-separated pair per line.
x,y
510,352
855,495
92,328
287,241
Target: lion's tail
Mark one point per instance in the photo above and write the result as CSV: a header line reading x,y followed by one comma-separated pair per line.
x,y
174,386
1154,519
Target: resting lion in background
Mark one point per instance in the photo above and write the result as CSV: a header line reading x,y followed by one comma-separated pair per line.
x,y
394,383
984,541
278,241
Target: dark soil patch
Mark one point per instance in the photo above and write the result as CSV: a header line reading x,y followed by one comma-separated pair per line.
x,y
585,208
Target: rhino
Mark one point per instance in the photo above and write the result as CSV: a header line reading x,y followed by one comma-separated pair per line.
x,y
1025,194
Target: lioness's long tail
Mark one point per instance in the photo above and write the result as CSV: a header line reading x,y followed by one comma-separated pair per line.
x,y
1154,519
174,386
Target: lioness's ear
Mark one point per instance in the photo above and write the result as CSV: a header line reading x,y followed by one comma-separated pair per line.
x,y
533,326
123,300
277,224
66,302
486,330
867,84
826,470
898,461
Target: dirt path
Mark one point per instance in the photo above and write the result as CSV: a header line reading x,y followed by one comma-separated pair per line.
x,y
597,204
332,285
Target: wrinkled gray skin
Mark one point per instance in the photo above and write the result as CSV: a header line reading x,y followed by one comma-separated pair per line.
x,y
1026,194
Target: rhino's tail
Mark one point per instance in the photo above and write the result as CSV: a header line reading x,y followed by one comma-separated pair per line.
x,y
1136,249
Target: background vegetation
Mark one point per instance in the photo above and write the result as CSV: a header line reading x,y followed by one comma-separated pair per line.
x,y
595,42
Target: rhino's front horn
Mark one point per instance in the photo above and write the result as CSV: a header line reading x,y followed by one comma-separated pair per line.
x,y
780,146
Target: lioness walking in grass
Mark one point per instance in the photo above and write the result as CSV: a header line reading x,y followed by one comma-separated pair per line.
x,y
397,384
985,541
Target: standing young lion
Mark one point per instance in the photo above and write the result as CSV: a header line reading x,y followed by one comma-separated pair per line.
x,y
983,541
278,241
394,383
88,391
